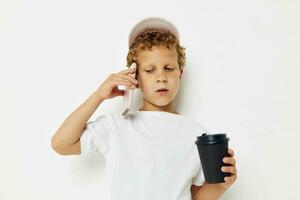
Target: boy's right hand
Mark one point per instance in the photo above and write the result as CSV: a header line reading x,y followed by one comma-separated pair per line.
x,y
109,88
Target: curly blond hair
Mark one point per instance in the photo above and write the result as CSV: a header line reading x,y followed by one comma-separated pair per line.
x,y
149,38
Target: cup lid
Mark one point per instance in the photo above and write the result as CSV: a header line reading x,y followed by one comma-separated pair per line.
x,y
212,138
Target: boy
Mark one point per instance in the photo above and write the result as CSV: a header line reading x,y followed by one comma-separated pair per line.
x,y
150,154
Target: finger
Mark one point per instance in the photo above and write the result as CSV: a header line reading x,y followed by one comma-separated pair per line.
x,y
127,71
118,81
231,170
231,152
230,178
129,78
229,160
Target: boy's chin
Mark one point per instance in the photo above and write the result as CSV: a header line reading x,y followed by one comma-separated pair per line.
x,y
161,102
157,100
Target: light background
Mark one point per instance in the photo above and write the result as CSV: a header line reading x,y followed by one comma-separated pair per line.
x,y
242,78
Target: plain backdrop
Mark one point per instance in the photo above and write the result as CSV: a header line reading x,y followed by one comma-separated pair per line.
x,y
241,77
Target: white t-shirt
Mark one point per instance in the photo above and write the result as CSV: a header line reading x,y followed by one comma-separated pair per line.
x,y
150,155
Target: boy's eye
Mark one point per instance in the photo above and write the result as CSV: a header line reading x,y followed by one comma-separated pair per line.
x,y
169,69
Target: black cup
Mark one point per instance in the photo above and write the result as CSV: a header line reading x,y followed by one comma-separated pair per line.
x,y
212,149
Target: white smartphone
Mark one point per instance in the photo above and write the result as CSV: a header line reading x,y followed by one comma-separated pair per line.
x,y
128,93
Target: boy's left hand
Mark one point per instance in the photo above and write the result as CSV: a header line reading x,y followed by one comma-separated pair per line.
x,y
229,180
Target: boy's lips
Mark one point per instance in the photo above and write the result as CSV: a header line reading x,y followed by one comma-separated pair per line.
x,y
162,91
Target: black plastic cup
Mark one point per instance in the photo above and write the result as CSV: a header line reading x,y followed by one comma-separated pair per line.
x,y
212,149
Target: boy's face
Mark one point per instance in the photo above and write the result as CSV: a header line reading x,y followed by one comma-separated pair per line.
x,y
158,68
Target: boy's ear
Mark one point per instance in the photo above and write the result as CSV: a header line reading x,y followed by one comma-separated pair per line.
x,y
181,72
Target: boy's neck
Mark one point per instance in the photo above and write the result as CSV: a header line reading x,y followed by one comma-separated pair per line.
x,y
151,107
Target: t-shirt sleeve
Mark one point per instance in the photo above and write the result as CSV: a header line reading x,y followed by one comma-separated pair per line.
x,y
198,179
95,136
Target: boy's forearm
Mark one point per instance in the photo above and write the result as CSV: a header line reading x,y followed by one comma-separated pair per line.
x,y
209,192
72,128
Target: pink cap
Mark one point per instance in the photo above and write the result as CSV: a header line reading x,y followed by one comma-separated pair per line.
x,y
152,23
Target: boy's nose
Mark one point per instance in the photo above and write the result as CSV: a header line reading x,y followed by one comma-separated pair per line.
x,y
161,79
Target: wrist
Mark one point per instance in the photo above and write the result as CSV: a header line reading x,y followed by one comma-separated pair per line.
x,y
97,95
222,187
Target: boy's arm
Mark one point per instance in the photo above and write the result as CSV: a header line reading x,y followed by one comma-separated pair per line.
x,y
66,140
209,192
